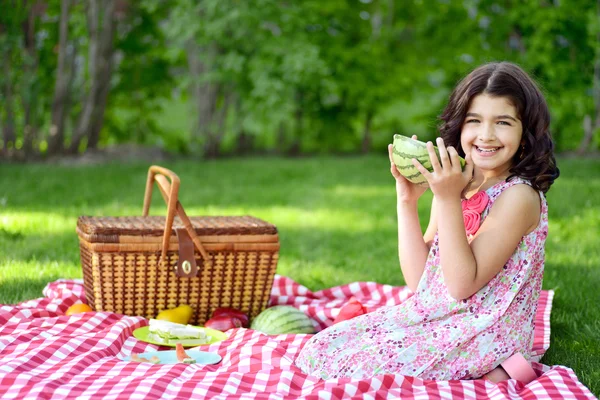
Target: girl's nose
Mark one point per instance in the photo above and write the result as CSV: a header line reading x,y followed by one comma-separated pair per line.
x,y
487,132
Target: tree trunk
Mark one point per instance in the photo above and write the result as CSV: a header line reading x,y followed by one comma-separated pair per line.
x,y
210,121
294,149
591,125
366,142
29,100
61,89
85,117
588,135
390,15
106,50
376,23
245,142
281,138
98,114
216,132
100,70
8,125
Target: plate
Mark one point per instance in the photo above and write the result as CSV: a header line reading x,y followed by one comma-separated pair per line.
x,y
170,357
143,334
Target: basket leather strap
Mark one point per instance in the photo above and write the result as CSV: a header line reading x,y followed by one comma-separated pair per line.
x,y
169,192
186,265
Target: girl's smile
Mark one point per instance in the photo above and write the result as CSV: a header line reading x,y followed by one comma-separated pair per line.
x,y
491,134
487,152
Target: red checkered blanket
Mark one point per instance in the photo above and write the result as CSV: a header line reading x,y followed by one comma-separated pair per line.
x,y
45,354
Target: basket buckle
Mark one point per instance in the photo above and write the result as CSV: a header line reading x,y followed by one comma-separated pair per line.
x,y
186,264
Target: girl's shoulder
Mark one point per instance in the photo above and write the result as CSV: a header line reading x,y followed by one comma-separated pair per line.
x,y
518,192
524,187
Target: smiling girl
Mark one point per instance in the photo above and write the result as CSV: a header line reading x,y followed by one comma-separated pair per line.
x,y
477,271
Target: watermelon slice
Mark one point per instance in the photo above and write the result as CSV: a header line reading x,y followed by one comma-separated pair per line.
x,y
182,356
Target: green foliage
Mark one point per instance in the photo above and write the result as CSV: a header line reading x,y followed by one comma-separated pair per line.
x,y
312,73
144,81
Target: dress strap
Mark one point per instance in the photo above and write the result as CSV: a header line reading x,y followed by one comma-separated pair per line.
x,y
496,190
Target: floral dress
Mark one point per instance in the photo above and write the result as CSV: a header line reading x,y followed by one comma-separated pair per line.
x,y
433,336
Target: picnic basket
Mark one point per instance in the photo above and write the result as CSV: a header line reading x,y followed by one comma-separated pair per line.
x,y
142,265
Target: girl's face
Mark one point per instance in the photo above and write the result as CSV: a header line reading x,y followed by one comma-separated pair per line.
x,y
491,134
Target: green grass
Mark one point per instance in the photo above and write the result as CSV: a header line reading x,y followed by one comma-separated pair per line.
x,y
336,218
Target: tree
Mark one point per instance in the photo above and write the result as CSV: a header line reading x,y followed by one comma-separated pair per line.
x,y
11,20
101,25
60,102
591,124
277,75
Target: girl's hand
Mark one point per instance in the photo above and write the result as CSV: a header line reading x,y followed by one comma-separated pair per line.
x,y
406,191
447,179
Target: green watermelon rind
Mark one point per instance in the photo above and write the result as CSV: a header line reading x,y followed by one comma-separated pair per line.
x,y
405,149
279,320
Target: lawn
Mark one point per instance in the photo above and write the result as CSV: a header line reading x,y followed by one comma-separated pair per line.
x,y
336,219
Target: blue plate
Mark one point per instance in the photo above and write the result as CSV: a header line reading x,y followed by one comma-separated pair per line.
x,y
170,357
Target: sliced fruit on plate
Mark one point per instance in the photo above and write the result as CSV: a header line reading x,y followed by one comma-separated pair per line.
x,y
182,355
137,358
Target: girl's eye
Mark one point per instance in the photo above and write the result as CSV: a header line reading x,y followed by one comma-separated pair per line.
x,y
504,123
472,120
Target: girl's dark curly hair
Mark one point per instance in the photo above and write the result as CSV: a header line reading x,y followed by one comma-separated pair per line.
x,y
536,161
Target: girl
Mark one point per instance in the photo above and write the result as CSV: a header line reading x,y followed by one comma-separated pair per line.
x,y
477,271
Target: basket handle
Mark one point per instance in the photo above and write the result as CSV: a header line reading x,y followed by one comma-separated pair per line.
x,y
169,192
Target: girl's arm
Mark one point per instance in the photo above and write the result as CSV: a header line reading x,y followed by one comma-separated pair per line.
x,y
412,248
468,268
432,227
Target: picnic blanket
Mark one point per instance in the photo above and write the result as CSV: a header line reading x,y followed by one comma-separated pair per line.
x,y
46,354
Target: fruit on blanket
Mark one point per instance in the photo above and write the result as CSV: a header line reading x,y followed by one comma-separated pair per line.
x,y
78,308
223,323
179,315
232,312
405,149
279,320
353,308
182,356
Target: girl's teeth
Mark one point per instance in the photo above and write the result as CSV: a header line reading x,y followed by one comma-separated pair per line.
x,y
487,150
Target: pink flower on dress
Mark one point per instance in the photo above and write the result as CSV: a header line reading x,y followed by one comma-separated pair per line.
x,y
477,202
472,220
472,209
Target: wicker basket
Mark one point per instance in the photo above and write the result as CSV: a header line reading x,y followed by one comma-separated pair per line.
x,y
143,265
